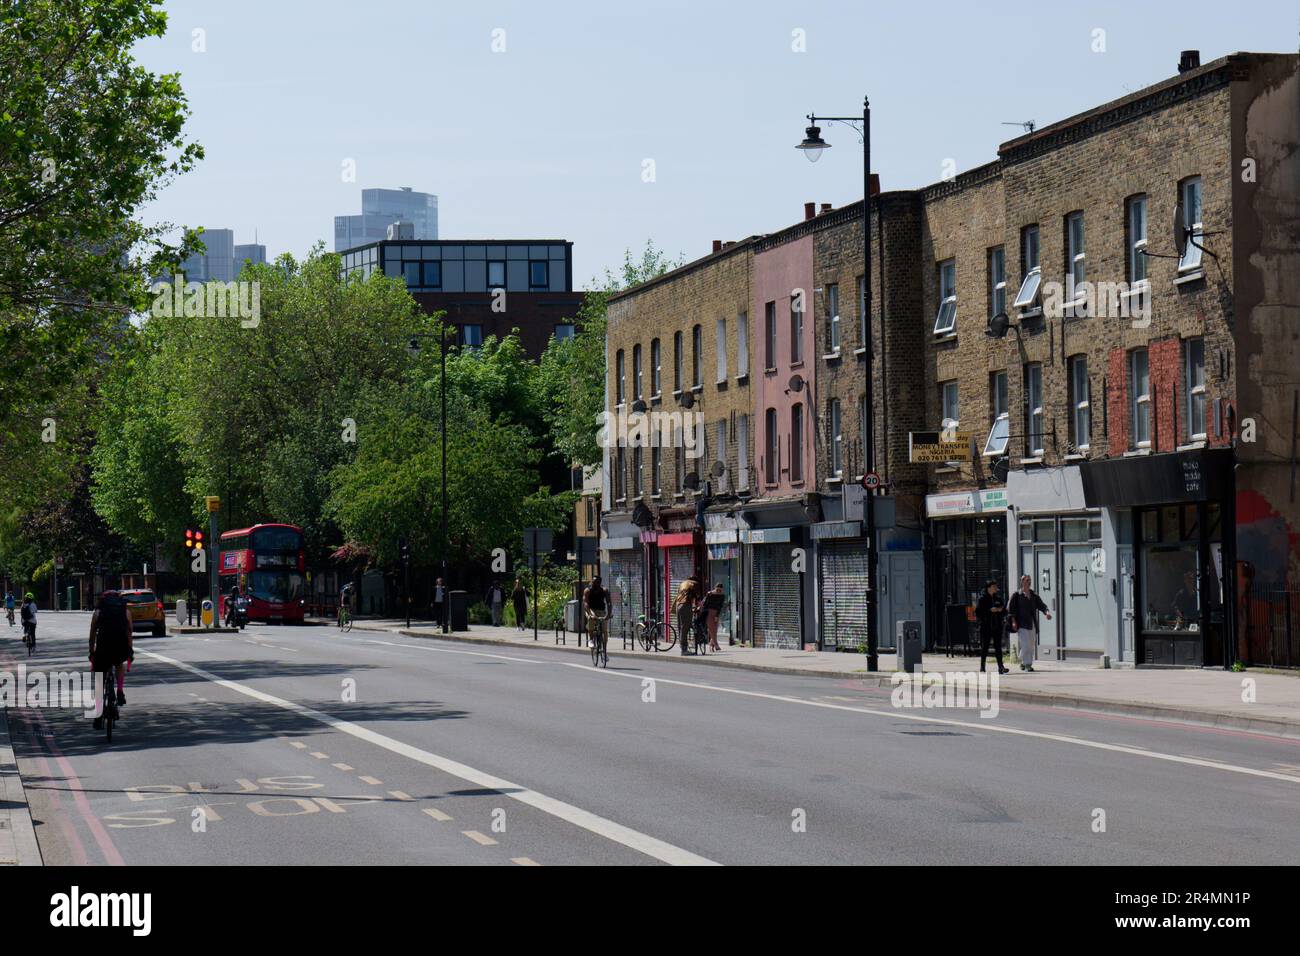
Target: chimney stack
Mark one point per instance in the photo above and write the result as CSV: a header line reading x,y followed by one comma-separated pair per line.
x,y
809,210
1189,60
826,207
875,184
717,245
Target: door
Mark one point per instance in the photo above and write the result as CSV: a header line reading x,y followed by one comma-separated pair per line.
x,y
903,594
1124,556
1045,584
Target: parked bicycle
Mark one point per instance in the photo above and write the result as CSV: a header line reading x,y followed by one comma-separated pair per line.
x,y
654,634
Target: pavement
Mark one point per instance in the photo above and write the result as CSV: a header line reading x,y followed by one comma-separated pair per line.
x,y
1255,700
18,846
284,745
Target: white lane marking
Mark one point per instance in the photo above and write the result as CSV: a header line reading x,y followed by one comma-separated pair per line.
x,y
524,861
893,714
399,795
615,832
373,781
482,839
436,814
342,766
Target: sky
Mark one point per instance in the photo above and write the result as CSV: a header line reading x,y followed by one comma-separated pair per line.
x,y
611,123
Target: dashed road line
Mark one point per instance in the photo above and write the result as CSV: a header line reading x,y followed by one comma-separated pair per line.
x,y
320,756
482,839
399,795
524,861
437,814
373,781
341,766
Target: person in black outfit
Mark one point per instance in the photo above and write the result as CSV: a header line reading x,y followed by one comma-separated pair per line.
x,y
519,597
989,613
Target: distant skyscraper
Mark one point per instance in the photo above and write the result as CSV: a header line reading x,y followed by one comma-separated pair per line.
x,y
380,208
224,260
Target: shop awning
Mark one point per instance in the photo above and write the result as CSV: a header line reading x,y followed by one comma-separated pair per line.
x,y
1202,474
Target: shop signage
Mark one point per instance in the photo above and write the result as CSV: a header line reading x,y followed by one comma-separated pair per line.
x,y
1200,475
836,529
935,448
961,503
617,544
767,536
995,499
721,537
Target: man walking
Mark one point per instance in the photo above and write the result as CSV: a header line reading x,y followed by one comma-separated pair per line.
x,y
496,599
989,612
1022,613
439,602
519,597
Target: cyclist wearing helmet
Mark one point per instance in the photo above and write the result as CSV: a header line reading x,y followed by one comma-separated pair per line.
x,y
28,615
111,641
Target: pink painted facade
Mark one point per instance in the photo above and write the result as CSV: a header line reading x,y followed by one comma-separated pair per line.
x,y
781,275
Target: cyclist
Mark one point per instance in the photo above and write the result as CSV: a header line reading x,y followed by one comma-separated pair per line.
x,y
9,606
28,615
345,601
111,642
595,604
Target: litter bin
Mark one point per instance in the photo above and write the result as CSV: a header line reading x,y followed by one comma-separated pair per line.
x,y
71,603
573,616
909,645
459,611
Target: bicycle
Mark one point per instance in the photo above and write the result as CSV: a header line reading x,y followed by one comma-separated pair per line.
x,y
654,634
345,620
29,638
598,640
109,715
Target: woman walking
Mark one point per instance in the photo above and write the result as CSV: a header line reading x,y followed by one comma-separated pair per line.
x,y
520,599
1022,619
713,604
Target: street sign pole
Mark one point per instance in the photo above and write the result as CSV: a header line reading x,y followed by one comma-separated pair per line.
x,y
533,559
213,504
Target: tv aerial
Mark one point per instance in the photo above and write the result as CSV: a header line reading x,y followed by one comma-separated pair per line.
x,y
1027,125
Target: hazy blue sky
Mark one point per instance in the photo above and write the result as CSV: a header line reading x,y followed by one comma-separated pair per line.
x,y
547,139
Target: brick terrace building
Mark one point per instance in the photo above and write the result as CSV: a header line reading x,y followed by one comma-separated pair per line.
x,y
1133,435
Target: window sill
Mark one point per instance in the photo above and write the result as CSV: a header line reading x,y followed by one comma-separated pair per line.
x,y
742,378
834,481
1074,458
657,398
677,393
1139,288
994,454
946,469
770,370
940,337
860,352
697,388
1035,313
1078,309
798,364
1192,445
833,356
1137,452
1191,276
1036,460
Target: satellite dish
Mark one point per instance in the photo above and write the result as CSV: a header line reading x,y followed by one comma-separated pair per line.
x,y
688,400
639,405
641,516
1181,232
719,469
691,482
796,382
998,326
1000,468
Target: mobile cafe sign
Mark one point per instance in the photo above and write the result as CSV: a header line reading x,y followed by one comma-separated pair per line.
x,y
936,448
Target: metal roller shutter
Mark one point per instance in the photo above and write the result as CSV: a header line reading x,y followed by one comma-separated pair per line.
x,y
681,565
627,584
776,598
844,593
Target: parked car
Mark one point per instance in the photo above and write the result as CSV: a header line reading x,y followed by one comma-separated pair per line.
x,y
146,611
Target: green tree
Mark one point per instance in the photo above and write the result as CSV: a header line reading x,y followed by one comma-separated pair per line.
x,y
573,370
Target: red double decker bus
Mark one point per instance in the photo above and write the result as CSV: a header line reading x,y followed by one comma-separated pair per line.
x,y
269,563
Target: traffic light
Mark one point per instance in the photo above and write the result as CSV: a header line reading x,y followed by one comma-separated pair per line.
x,y
193,539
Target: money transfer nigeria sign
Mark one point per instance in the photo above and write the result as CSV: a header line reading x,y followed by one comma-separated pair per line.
x,y
935,448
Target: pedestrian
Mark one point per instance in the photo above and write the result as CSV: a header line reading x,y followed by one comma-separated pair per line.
x,y
989,612
714,601
1022,620
439,602
684,609
519,597
496,598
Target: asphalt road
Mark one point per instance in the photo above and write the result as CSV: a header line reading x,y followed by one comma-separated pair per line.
x,y
298,745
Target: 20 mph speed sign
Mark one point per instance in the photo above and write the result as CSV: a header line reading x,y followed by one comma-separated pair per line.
x,y
871,481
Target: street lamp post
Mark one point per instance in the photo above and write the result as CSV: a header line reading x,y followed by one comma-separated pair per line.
x,y
414,347
812,147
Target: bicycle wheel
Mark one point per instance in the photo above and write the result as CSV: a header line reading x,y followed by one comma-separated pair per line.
x,y
594,642
644,636
665,637
110,705
347,622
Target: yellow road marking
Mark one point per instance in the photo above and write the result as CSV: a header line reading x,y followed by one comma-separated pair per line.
x,y
480,838
436,814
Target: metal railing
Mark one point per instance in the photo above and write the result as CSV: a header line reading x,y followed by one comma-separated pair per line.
x,y
1272,619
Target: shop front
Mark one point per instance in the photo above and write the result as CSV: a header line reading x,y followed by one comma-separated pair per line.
x,y
726,567
778,602
1068,551
625,575
966,545
1179,508
841,585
